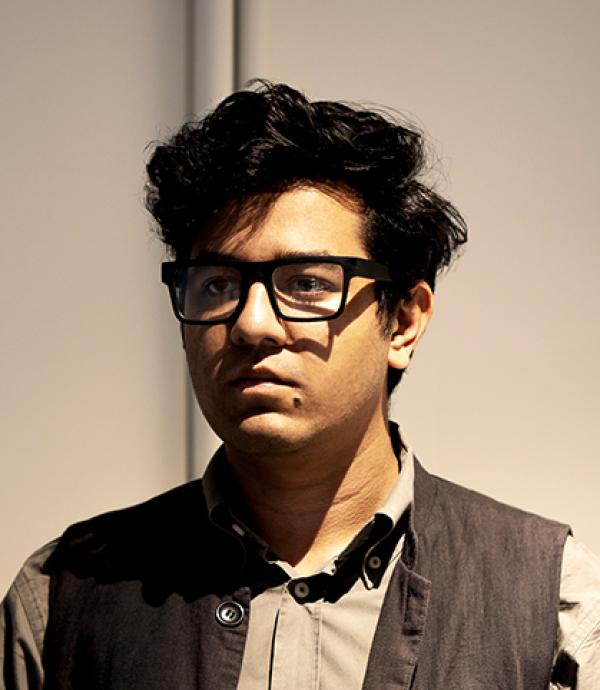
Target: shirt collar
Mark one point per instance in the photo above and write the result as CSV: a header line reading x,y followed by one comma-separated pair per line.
x,y
226,510
214,481
401,495
225,503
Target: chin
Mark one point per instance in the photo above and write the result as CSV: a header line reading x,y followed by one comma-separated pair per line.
x,y
267,433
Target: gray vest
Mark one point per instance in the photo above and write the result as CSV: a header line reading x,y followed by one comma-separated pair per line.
x,y
472,605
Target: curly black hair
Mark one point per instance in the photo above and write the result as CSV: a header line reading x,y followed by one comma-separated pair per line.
x,y
269,138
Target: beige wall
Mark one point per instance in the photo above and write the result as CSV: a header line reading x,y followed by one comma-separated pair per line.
x,y
503,394
92,412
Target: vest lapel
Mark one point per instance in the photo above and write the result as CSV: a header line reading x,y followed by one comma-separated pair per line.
x,y
399,632
401,625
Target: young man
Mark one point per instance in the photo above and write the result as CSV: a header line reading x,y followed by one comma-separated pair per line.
x,y
316,552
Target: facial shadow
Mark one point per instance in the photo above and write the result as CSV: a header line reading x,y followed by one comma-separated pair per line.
x,y
356,305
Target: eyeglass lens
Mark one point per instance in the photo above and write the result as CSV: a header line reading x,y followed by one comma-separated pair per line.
x,y
303,290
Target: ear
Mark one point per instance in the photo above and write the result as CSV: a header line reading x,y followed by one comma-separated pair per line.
x,y
409,324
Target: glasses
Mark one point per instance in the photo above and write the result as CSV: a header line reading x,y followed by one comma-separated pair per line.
x,y
307,288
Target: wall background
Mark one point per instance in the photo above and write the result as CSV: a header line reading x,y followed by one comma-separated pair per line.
x,y
503,392
93,384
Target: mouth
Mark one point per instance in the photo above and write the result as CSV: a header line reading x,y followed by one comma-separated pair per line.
x,y
254,379
257,384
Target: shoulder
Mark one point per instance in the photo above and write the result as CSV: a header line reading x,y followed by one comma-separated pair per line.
x,y
25,607
23,620
132,534
167,544
447,513
580,598
473,506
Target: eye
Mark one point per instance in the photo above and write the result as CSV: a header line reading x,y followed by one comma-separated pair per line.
x,y
216,287
209,287
308,284
308,288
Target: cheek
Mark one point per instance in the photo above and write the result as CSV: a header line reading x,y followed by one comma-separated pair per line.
x,y
203,348
357,366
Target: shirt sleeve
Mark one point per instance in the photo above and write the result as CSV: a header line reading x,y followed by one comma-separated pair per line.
x,y
579,619
23,619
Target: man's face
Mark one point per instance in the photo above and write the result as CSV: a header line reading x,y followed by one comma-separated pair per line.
x,y
269,386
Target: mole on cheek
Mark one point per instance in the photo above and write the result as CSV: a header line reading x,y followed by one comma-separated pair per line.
x,y
297,402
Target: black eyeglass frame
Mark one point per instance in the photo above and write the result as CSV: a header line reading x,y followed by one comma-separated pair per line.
x,y
262,271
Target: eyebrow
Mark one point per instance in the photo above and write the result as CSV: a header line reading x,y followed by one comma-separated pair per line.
x,y
284,254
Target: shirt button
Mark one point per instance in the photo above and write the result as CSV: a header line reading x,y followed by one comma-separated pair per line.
x,y
230,613
301,589
374,562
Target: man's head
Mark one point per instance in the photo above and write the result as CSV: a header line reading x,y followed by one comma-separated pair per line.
x,y
259,143
272,375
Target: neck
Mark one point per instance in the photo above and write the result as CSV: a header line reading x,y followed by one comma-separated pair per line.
x,y
310,503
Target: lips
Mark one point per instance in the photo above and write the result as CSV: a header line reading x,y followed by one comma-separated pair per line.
x,y
255,376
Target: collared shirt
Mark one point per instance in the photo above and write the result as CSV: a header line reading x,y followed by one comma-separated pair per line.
x,y
314,632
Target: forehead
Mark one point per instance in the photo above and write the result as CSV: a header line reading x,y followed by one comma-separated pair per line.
x,y
305,220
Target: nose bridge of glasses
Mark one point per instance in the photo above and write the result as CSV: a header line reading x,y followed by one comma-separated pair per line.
x,y
256,274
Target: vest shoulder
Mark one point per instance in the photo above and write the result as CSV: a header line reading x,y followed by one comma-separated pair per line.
x,y
471,508
466,534
158,525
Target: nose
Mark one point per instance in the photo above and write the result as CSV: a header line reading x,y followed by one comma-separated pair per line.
x,y
257,322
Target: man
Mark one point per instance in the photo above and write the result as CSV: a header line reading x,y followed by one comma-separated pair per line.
x,y
316,552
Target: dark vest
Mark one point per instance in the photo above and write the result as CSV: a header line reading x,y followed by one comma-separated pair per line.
x,y
472,604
